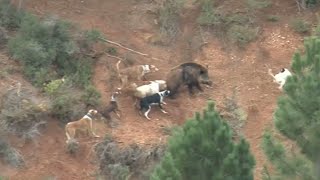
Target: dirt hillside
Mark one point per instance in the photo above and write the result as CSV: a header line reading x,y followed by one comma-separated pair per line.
x,y
132,24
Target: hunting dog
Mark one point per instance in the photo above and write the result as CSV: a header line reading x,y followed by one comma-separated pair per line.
x,y
148,89
155,99
84,124
281,77
112,107
136,72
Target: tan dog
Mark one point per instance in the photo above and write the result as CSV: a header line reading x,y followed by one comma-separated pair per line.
x,y
136,72
84,124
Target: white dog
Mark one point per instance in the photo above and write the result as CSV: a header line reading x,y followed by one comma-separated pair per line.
x,y
281,77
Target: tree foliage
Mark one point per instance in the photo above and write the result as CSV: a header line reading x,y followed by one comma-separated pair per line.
x,y
203,149
297,117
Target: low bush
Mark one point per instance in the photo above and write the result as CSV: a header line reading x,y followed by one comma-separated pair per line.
x,y
91,96
81,73
208,15
72,147
69,102
10,17
120,163
258,4
273,18
169,16
21,114
52,88
67,107
234,114
112,51
242,34
48,51
10,155
300,25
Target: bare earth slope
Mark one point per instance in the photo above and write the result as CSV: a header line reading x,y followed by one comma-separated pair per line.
x,y
132,23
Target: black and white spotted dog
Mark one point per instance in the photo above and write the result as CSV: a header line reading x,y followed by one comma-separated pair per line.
x,y
155,99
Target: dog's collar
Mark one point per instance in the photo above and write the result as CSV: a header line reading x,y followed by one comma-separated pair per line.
x,y
161,94
113,98
146,68
88,115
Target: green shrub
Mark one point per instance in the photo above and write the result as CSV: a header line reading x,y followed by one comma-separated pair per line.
x,y
112,51
300,25
88,38
273,18
239,19
48,46
10,17
258,4
209,16
91,96
10,155
119,172
118,163
81,72
169,15
21,114
310,3
67,107
316,31
242,35
92,35
52,88
72,146
234,114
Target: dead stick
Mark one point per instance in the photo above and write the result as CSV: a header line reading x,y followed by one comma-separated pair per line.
x,y
114,56
137,52
115,43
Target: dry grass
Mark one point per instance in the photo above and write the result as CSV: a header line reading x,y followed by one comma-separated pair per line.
x,y
10,155
120,163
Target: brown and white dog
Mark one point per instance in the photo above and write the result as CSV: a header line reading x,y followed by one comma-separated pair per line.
x,y
84,124
136,72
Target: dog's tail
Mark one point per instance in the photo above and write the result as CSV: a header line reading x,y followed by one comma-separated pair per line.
x,y
118,66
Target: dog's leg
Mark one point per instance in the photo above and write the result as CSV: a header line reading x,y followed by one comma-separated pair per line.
x,y
164,103
162,109
67,133
281,86
271,74
117,113
135,101
91,129
147,112
144,78
68,137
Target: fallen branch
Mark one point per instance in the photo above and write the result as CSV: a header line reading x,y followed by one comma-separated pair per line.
x,y
117,44
116,57
134,51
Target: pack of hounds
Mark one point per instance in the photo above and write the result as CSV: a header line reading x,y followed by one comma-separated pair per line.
x,y
153,93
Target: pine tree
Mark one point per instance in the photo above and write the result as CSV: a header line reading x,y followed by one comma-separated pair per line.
x,y
203,149
297,117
